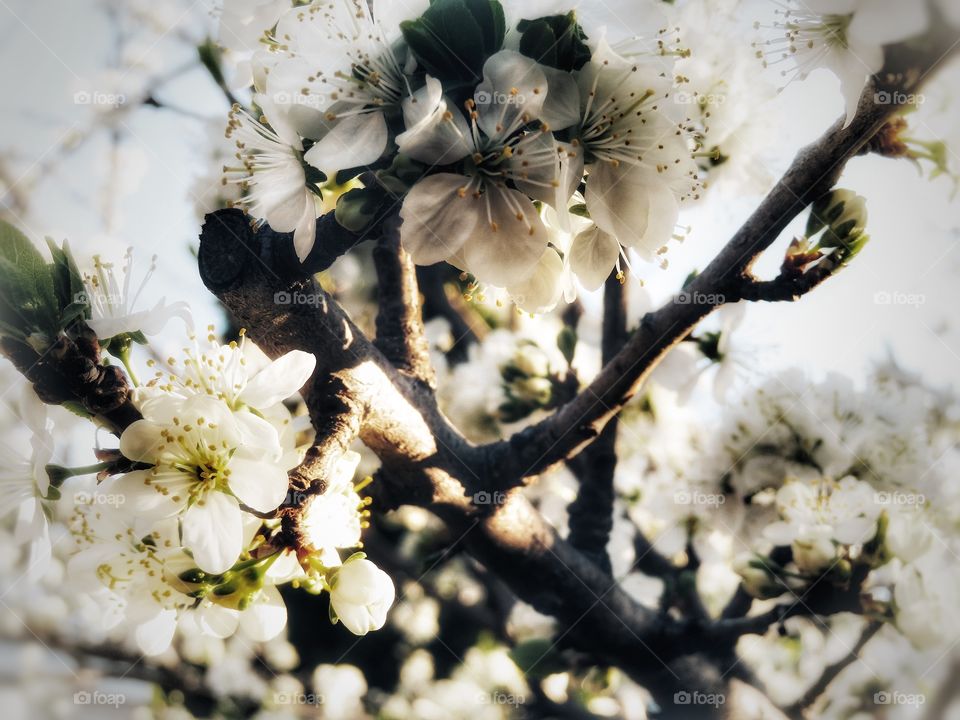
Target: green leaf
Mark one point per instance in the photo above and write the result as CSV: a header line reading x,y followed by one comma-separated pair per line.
x,y
28,300
555,40
539,42
490,18
68,285
359,207
453,38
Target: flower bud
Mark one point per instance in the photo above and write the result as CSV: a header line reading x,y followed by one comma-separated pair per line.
x,y
360,595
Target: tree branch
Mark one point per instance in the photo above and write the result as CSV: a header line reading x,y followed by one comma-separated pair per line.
x,y
591,514
814,172
400,334
424,460
809,698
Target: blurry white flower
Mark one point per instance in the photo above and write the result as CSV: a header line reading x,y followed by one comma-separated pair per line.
x,y
845,36
361,594
342,688
817,515
927,596
113,303
24,482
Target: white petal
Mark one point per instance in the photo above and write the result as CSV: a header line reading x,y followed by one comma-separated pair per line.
x,y
512,93
562,106
217,621
633,205
157,318
435,134
354,141
504,248
593,256
882,22
542,291
141,441
142,498
436,220
279,380
213,532
155,635
259,438
305,233
266,616
259,485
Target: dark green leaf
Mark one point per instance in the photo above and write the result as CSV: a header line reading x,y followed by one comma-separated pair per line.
x,y
27,295
556,40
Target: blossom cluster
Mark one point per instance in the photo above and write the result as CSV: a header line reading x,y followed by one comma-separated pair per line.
x,y
526,150
183,526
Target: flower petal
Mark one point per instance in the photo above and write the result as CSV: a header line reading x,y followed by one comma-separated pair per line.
x,y
353,142
279,380
434,134
217,621
436,220
506,246
259,485
155,635
512,93
266,616
141,441
541,292
213,532
633,205
593,256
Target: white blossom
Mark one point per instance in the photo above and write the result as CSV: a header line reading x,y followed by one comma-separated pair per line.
x,y
360,595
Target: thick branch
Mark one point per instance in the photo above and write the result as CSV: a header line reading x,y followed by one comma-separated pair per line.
x,y
424,460
400,334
